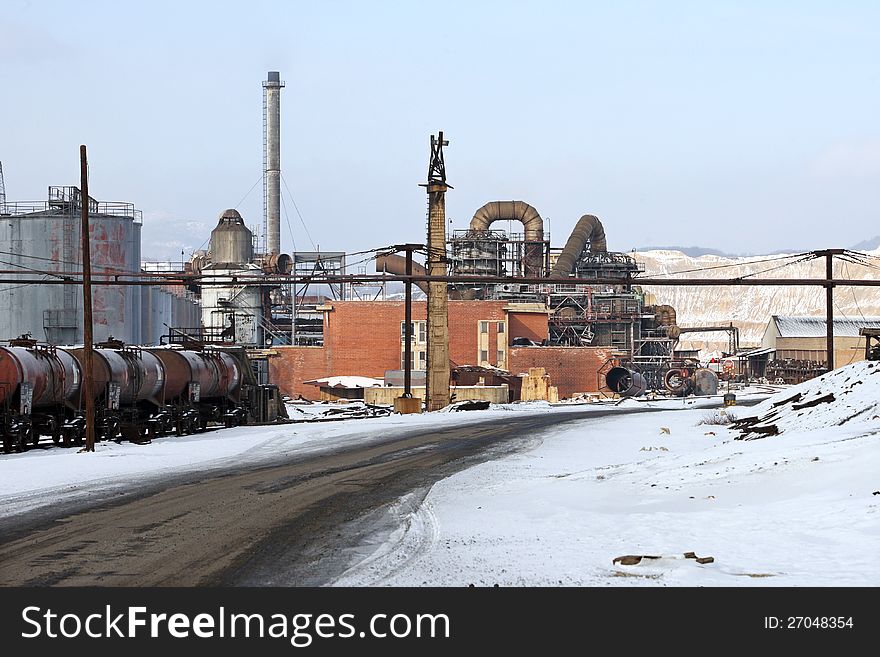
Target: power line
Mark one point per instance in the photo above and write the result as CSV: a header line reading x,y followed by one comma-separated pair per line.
x,y
736,264
259,180
295,207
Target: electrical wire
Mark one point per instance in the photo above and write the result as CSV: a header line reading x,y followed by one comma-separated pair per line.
x,y
806,258
295,207
736,264
287,220
243,198
853,292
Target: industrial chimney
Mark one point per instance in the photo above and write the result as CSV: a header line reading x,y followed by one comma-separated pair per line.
x,y
272,161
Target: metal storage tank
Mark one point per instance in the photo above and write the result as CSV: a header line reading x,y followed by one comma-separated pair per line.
x,y
232,243
46,235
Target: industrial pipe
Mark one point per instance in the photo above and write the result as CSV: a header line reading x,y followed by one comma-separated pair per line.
x,y
626,383
587,229
533,229
396,264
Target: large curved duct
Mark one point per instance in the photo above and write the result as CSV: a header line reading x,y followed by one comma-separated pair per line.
x,y
626,383
533,229
587,229
396,264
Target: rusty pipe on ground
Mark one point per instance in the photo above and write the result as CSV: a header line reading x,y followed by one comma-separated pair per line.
x,y
396,264
626,383
587,229
533,229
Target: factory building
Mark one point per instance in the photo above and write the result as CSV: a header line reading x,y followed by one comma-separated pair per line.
x,y
794,349
364,338
36,237
577,332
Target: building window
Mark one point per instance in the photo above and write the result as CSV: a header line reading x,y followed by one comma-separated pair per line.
x,y
422,360
484,327
484,356
500,357
419,331
501,327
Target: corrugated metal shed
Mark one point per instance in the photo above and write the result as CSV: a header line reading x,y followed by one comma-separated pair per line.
x,y
814,327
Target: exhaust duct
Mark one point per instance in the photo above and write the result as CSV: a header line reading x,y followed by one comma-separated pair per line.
x,y
533,229
588,229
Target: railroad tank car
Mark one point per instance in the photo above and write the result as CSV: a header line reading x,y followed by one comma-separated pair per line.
x,y
202,386
138,393
39,392
128,389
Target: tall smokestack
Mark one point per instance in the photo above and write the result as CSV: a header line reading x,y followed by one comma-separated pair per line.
x,y
272,161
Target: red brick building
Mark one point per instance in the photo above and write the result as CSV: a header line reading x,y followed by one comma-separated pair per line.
x,y
364,338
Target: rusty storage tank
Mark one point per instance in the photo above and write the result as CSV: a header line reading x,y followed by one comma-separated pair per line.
x,y
217,374
53,376
705,382
49,232
139,374
625,383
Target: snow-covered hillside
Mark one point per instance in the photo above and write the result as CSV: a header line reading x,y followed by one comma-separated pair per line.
x,y
750,308
849,396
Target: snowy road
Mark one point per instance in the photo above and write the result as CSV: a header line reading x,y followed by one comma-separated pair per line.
x,y
285,508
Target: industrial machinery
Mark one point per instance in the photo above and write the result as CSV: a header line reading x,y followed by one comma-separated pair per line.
x,y
139,393
641,334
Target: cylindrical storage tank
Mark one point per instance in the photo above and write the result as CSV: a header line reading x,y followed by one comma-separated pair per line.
x,y
626,383
705,382
54,376
54,312
231,241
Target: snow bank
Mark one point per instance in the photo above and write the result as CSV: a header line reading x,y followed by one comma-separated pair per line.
x,y
795,512
847,396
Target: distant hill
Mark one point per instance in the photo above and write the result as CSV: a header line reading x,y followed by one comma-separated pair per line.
x,y
692,251
867,245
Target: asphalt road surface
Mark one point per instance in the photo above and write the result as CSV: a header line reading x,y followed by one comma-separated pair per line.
x,y
291,523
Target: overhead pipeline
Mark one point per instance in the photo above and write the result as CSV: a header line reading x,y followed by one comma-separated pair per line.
x,y
396,264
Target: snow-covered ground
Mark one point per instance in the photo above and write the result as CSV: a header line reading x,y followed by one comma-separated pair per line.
x,y
798,508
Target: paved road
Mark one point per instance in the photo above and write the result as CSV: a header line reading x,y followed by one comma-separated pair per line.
x,y
285,523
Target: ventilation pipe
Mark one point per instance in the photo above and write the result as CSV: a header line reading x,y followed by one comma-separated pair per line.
x,y
396,264
533,229
588,229
626,383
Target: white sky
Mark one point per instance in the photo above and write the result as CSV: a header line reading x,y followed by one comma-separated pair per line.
x,y
747,126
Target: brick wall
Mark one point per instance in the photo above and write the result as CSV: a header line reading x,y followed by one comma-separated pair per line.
x,y
362,338
571,369
294,365
528,325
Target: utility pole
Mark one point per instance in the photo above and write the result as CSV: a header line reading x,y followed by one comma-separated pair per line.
x,y
88,374
437,383
829,303
406,403
408,329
